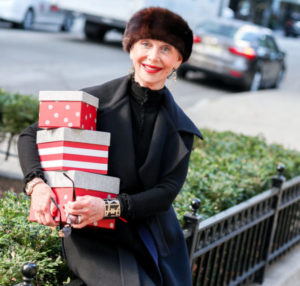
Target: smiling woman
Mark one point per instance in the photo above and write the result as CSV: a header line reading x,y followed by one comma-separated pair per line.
x,y
153,62
151,143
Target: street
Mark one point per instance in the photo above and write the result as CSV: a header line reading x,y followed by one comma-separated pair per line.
x,y
48,60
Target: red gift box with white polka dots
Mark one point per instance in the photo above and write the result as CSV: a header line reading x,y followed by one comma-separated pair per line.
x,y
85,184
73,149
75,109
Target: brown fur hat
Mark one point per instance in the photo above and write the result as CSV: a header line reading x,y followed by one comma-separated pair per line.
x,y
159,24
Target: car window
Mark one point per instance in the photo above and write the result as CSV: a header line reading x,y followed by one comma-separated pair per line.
x,y
250,37
263,42
218,29
271,44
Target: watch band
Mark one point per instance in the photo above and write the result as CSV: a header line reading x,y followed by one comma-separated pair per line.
x,y
31,184
112,208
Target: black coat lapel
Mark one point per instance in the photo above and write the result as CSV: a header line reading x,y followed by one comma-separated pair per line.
x,y
166,150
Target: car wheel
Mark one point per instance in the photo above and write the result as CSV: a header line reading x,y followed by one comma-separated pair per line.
x,y
68,23
256,81
28,20
94,31
279,79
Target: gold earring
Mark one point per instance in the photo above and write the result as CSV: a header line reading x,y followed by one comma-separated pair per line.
x,y
173,77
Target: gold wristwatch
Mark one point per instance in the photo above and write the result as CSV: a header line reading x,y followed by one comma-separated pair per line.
x,y
31,184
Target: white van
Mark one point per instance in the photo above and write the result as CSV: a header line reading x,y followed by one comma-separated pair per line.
x,y
25,13
102,15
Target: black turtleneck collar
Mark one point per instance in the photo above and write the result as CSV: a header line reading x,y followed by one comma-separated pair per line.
x,y
145,95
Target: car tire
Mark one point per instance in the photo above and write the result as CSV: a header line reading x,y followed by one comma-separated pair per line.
x,y
94,31
28,20
68,23
256,81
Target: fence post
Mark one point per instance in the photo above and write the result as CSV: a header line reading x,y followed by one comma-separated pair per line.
x,y
29,271
277,182
191,226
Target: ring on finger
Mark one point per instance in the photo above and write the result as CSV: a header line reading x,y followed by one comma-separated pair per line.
x,y
79,219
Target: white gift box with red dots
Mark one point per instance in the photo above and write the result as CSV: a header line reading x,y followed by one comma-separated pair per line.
x,y
73,149
75,109
85,184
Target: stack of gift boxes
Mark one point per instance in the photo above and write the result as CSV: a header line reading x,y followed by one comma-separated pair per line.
x,y
70,144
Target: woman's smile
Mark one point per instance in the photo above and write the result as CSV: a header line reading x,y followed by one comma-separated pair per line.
x,y
151,68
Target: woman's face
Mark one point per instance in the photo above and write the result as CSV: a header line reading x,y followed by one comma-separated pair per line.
x,y
153,61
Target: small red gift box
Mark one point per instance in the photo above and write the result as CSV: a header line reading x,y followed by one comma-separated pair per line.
x,y
84,184
76,109
73,149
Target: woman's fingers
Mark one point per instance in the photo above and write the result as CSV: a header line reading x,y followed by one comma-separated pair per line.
x,y
90,209
42,204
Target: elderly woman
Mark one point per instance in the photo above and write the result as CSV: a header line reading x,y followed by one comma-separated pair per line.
x,y
151,142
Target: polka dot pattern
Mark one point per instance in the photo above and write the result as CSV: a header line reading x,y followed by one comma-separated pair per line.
x,y
75,114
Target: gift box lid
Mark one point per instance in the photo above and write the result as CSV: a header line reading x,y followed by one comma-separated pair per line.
x,y
75,95
73,135
83,180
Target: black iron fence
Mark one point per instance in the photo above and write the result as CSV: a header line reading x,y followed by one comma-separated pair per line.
x,y
235,246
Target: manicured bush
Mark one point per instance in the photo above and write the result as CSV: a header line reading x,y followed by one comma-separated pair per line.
x,y
22,241
16,113
228,168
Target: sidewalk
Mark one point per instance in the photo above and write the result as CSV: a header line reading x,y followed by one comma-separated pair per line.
x,y
271,113
10,168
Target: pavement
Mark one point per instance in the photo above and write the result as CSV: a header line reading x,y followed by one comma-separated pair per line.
x,y
273,114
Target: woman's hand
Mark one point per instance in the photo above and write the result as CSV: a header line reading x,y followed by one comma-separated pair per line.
x,y
44,209
89,208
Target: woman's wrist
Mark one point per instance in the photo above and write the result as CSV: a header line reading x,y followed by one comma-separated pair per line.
x,y
32,184
112,208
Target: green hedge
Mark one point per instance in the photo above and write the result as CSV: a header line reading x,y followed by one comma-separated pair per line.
x,y
228,168
22,241
17,111
225,169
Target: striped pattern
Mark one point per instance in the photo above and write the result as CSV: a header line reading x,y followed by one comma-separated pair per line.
x,y
65,155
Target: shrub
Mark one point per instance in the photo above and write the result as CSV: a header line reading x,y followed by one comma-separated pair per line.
x,y
228,168
16,113
22,241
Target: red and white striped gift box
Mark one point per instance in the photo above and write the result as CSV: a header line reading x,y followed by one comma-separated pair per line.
x,y
76,109
73,149
85,184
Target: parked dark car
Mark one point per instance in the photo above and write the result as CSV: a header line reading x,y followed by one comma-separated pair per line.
x,y
237,52
292,25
